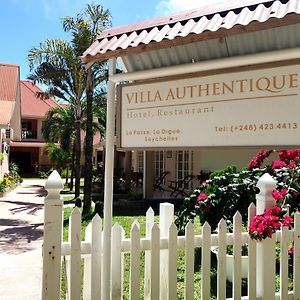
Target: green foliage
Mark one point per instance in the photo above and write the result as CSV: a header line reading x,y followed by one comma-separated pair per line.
x,y
229,190
11,179
2,155
13,169
2,187
44,174
57,64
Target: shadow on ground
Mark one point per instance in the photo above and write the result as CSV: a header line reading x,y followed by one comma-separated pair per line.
x,y
17,239
38,190
29,207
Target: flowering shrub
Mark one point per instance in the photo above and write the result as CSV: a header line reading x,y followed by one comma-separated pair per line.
x,y
229,190
225,192
10,179
263,226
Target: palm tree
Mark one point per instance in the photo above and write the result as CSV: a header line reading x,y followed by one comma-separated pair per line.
x,y
57,66
58,156
59,127
56,63
85,28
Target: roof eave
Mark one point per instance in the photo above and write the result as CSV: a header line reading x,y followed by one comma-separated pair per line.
x,y
289,19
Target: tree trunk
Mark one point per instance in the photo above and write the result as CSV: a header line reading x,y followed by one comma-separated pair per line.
x,y
67,174
77,158
88,166
72,167
128,171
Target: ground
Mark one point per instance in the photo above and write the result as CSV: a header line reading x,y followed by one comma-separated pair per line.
x,y
21,235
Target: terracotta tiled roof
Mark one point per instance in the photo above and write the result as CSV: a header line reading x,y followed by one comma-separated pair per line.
x,y
9,76
31,105
225,15
6,111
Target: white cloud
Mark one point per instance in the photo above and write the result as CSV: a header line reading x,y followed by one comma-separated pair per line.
x,y
171,6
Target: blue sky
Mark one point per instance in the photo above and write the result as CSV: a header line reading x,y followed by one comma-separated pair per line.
x,y
26,23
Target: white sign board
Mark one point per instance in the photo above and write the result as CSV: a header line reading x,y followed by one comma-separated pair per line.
x,y
253,108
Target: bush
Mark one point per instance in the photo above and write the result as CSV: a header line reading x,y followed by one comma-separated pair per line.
x,y
2,187
44,174
10,179
229,190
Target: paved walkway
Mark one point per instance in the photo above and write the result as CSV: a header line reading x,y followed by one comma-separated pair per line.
x,y
21,234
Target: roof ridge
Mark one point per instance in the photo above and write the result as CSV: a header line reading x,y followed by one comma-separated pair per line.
x,y
182,16
9,64
44,100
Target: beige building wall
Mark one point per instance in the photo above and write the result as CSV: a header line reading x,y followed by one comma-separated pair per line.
x,y
39,130
15,122
211,160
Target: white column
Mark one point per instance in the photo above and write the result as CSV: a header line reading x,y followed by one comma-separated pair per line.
x,y
265,249
108,183
166,218
52,238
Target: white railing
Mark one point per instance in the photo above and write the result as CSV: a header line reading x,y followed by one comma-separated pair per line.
x,y
160,246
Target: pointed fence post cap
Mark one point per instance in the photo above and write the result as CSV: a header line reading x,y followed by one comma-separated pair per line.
x,y
266,184
54,182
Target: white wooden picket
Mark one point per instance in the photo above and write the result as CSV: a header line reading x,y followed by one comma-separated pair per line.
x,y
149,225
251,258
205,261
189,260
284,263
237,267
155,260
135,262
172,258
221,277
117,262
296,240
75,257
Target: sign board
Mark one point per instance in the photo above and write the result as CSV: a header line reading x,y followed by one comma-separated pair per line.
x,y
253,108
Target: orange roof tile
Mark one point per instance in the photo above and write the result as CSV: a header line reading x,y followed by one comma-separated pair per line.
x,y
6,111
9,77
31,105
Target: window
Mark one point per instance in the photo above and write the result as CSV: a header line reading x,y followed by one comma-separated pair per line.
x,y
140,163
159,163
184,164
29,128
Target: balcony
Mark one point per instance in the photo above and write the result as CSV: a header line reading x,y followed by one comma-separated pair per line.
x,y
29,135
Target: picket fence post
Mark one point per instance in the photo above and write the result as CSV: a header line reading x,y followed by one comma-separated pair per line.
x,y
265,249
52,238
166,218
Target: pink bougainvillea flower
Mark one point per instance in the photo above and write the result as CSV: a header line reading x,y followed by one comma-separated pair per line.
x,y
276,210
292,165
278,164
206,208
264,225
279,195
257,161
287,221
291,250
202,196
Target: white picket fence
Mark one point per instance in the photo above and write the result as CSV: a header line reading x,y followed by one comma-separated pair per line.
x,y
161,245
